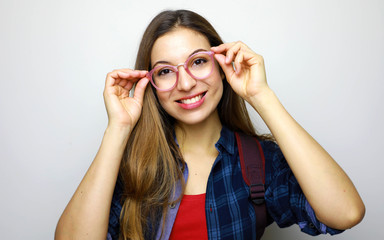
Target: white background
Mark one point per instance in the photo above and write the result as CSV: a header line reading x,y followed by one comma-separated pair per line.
x,y
324,59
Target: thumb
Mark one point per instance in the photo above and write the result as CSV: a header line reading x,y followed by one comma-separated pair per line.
x,y
227,68
140,87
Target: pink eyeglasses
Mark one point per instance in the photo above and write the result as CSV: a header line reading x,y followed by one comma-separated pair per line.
x,y
199,66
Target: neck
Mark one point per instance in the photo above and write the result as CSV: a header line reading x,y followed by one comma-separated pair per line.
x,y
201,136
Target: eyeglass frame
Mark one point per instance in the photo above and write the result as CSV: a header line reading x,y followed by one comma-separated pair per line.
x,y
176,69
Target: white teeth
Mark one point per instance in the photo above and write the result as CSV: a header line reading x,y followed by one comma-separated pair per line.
x,y
191,100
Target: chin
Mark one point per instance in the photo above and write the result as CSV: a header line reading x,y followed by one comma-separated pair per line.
x,y
197,117
189,122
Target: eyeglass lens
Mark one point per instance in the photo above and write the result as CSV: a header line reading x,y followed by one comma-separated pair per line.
x,y
199,66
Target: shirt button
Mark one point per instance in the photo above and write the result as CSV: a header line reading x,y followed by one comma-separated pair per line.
x,y
172,205
311,225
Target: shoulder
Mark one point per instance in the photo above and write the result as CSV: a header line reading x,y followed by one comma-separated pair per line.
x,y
270,148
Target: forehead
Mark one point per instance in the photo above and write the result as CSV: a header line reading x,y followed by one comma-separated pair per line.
x,y
177,45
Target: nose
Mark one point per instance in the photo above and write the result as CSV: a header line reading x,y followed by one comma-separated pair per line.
x,y
186,82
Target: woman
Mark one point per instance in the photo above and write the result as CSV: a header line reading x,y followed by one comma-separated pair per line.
x,y
168,160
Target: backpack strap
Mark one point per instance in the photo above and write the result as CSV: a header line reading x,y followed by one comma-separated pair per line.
x,y
252,163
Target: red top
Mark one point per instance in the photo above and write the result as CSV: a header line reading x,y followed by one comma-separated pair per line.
x,y
190,220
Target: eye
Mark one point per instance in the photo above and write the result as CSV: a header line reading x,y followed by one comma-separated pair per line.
x,y
199,61
163,71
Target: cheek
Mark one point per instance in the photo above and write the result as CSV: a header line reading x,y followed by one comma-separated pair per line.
x,y
218,70
218,78
162,97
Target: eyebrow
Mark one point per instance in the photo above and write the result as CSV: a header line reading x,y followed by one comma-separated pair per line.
x,y
166,62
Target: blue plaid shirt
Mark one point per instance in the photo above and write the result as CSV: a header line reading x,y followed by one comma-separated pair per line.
x,y
228,208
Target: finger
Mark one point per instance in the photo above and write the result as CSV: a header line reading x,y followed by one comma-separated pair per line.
x,y
129,85
228,49
227,68
254,58
140,89
115,77
127,73
109,81
238,61
222,48
122,82
132,70
232,52
128,70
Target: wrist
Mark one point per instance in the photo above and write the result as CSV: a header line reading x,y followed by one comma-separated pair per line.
x,y
118,131
263,100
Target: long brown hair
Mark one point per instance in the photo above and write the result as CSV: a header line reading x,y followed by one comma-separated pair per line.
x,y
152,164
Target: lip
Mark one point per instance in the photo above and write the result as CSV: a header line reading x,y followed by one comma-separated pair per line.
x,y
192,105
190,96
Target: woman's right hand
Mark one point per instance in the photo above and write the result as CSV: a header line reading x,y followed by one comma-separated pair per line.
x,y
87,213
124,110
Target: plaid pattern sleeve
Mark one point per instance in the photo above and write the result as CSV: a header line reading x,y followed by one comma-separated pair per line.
x,y
285,200
114,214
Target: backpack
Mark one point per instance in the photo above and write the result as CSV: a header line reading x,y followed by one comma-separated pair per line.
x,y
252,163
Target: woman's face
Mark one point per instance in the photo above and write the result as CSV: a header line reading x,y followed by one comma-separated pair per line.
x,y
191,101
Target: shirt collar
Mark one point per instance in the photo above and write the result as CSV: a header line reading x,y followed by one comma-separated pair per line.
x,y
226,141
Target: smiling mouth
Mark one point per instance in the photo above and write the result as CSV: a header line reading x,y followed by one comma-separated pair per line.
x,y
192,100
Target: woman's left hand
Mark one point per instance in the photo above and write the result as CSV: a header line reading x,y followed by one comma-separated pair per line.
x,y
248,79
